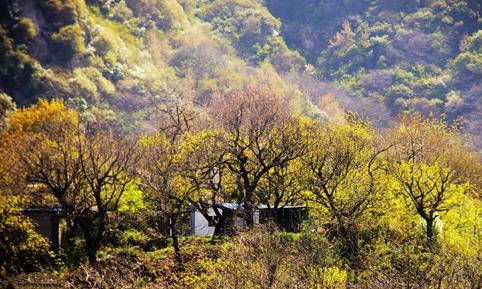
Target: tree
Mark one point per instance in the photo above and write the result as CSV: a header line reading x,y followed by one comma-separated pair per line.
x,y
161,180
205,171
429,165
45,131
342,173
282,186
6,106
21,247
259,134
108,165
9,172
85,167
162,184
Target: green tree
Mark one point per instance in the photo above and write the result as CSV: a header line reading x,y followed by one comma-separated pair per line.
x,y
6,106
343,175
430,165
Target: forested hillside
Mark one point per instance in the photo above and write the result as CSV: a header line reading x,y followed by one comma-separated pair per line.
x,y
413,55
319,143
121,55
356,55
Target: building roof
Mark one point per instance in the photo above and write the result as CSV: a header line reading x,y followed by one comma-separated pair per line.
x,y
52,210
234,206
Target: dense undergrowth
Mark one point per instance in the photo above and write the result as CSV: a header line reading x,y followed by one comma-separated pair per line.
x,y
261,259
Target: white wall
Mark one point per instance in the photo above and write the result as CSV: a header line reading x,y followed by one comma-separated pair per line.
x,y
199,224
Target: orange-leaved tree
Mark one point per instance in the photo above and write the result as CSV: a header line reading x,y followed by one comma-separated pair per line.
x,y
84,166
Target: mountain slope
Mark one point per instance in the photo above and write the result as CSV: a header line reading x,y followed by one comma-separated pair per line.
x,y
326,56
414,55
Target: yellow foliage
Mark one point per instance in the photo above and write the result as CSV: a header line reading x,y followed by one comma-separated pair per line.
x,y
38,123
43,115
462,226
28,27
20,246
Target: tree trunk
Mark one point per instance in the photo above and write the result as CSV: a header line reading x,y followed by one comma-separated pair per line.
x,y
350,243
220,228
175,240
277,220
249,215
93,228
249,207
430,231
92,254
91,244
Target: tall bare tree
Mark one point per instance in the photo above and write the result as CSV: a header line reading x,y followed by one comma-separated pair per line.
x,y
108,165
259,134
161,169
162,184
205,171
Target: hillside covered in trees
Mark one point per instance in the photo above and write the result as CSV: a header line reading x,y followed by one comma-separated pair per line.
x,y
126,116
378,58
411,55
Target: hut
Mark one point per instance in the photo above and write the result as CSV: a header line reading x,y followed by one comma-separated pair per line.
x,y
47,223
287,218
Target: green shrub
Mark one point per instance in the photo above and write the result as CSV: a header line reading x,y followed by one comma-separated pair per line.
x,y
6,106
91,84
27,28
70,40
63,11
121,12
21,248
134,237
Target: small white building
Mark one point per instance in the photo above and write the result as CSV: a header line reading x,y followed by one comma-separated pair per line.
x,y
200,225
291,218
